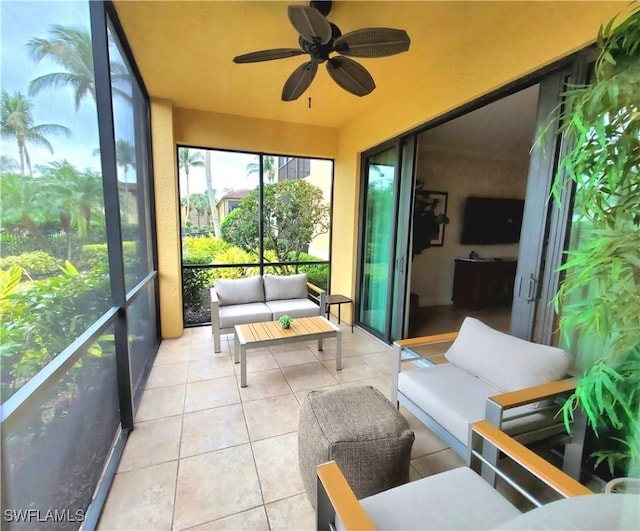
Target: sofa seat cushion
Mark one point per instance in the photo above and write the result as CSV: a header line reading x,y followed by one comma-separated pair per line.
x,y
239,290
256,312
505,361
456,399
452,397
456,499
285,287
293,307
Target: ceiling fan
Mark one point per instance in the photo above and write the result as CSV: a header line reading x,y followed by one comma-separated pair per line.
x,y
322,40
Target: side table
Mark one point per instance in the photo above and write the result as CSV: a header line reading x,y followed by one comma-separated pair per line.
x,y
339,300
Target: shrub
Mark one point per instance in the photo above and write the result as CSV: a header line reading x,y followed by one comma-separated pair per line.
x,y
235,255
316,274
35,264
96,256
194,280
39,322
203,245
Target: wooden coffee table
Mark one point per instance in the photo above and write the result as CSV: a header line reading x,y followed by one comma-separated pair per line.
x,y
267,334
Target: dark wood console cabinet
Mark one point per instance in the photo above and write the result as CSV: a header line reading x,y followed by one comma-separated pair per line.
x,y
483,283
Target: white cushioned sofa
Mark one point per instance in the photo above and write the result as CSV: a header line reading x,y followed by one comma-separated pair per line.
x,y
261,298
484,374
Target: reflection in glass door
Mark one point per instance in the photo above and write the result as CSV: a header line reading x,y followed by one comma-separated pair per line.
x,y
378,241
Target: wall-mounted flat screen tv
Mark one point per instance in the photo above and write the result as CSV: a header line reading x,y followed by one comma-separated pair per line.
x,y
491,220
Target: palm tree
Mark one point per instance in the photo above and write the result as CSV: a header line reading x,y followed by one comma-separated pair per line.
x,y
71,48
211,194
76,198
125,158
8,164
23,205
268,165
188,159
16,121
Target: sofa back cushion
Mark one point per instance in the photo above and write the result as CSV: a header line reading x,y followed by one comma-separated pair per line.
x,y
239,291
286,287
505,361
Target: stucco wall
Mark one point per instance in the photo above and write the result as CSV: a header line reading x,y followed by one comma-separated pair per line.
x,y
167,218
500,43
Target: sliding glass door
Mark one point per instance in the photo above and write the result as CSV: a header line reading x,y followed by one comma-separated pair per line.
x,y
378,238
384,241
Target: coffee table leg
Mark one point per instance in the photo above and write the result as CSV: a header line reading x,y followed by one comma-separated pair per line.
x,y
243,366
320,345
338,350
236,347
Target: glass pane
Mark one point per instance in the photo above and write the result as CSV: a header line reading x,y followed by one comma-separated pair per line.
x,y
143,333
296,205
51,186
377,240
53,452
131,152
219,211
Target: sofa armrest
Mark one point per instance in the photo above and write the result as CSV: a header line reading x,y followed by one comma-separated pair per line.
x,y
533,394
414,344
427,340
318,295
335,498
555,478
214,296
215,319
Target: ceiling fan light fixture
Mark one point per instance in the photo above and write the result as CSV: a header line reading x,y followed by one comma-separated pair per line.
x,y
320,39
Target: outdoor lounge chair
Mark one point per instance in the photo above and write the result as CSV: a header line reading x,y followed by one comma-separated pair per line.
x,y
460,499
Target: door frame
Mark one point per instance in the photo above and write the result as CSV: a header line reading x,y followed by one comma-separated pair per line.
x,y
558,221
364,180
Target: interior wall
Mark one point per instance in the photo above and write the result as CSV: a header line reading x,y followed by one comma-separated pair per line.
x,y
461,174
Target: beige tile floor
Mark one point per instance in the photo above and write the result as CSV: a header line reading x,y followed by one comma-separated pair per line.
x,y
206,454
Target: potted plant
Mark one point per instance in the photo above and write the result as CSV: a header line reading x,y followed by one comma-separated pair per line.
x,y
285,321
426,219
599,297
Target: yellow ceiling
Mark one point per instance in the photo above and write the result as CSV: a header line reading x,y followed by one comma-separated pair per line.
x,y
184,50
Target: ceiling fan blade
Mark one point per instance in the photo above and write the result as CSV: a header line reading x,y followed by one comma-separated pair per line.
x,y
299,81
372,42
268,55
310,24
351,76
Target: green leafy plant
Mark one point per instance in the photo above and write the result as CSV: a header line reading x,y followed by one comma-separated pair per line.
x,y
194,280
599,298
426,222
285,321
35,263
39,320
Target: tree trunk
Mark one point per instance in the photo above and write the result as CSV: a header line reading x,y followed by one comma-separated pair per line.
x,y
211,194
186,215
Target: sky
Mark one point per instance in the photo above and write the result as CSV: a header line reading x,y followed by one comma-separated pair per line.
x,y
228,170
23,20
19,22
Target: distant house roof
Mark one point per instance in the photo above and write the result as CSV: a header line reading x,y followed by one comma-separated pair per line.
x,y
236,194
